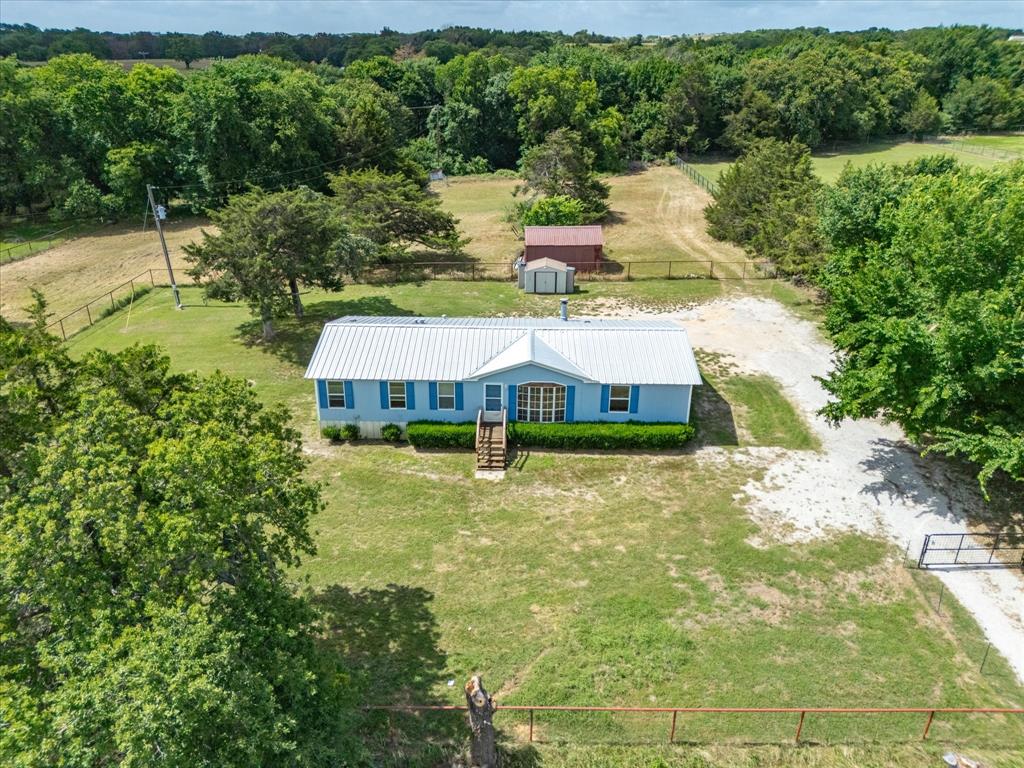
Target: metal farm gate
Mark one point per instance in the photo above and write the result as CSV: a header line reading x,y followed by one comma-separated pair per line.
x,y
967,549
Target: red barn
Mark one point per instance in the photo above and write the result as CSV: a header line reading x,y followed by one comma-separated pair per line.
x,y
580,247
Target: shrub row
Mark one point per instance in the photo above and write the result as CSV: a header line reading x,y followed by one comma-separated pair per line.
x,y
441,434
344,432
602,435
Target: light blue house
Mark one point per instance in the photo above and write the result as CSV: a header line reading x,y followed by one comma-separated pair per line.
x,y
373,371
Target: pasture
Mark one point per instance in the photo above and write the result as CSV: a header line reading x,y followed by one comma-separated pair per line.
x,y
656,215
828,164
23,239
616,579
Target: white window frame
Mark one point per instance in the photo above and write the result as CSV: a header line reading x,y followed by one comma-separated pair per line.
x,y
544,399
447,397
501,396
332,397
392,395
614,400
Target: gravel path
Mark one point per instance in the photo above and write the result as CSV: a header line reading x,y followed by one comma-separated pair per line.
x,y
866,477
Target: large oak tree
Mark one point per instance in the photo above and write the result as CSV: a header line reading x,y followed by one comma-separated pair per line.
x,y
268,243
148,522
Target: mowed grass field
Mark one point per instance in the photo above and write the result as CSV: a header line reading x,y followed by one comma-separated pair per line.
x,y
72,273
600,578
829,164
18,241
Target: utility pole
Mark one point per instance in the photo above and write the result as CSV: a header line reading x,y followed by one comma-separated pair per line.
x,y
163,244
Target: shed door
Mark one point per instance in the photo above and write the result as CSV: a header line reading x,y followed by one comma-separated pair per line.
x,y
547,282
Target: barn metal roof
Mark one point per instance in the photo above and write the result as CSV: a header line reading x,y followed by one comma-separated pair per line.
x,y
467,348
584,235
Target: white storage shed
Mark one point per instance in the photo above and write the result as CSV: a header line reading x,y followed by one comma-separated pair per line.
x,y
547,276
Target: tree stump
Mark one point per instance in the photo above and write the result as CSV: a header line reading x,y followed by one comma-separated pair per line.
x,y
483,751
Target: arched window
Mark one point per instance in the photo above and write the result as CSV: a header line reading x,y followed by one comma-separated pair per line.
x,y
540,401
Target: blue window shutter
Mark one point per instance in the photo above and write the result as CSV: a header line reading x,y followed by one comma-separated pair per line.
x,y
605,394
384,402
570,402
350,399
410,396
432,394
511,404
634,398
458,396
321,392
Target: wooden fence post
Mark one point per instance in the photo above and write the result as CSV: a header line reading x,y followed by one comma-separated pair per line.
x,y
629,266
483,749
88,313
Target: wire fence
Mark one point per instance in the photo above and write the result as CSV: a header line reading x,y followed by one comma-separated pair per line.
x,y
23,250
733,725
93,310
974,149
657,269
697,177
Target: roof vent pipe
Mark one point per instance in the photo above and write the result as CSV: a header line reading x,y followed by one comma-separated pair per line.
x,y
565,309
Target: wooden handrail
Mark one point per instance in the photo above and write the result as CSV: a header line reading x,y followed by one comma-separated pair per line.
x,y
479,421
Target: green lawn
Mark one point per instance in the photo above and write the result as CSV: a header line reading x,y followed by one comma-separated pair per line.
x,y
828,164
597,578
1006,143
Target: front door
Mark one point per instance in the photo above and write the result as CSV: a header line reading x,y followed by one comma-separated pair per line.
x,y
546,282
493,402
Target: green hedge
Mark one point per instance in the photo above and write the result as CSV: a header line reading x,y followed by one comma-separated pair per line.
x,y
600,435
603,435
441,434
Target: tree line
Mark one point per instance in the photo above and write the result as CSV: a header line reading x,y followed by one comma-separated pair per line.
x,y
921,266
30,43
81,136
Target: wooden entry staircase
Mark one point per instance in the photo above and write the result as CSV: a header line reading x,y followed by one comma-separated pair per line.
x,y
491,442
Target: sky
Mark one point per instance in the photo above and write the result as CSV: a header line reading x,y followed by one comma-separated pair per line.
x,y
611,17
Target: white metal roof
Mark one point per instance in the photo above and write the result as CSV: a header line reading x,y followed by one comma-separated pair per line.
x,y
547,263
465,348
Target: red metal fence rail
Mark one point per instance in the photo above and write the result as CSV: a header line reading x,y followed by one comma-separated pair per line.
x,y
675,712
